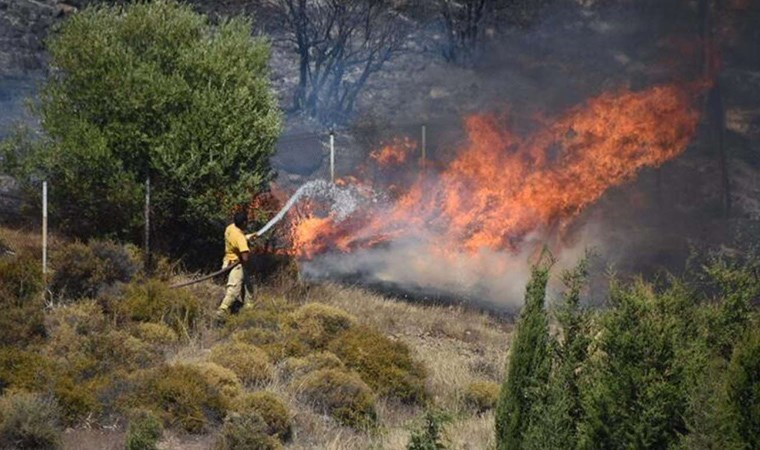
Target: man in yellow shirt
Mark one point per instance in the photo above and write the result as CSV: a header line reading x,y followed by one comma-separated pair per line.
x,y
236,250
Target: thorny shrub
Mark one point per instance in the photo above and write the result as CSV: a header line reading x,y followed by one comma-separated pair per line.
x,y
342,395
144,430
294,368
317,324
250,363
271,408
223,379
28,421
246,431
154,301
386,365
181,396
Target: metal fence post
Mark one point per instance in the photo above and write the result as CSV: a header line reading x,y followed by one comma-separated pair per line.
x,y
332,157
44,235
147,225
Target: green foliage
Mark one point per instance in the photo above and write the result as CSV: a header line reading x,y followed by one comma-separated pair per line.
x,y
181,395
743,389
342,395
155,333
28,421
83,270
223,379
250,363
529,364
154,88
294,368
316,324
144,430
386,365
429,436
154,301
246,431
24,369
22,320
482,396
271,408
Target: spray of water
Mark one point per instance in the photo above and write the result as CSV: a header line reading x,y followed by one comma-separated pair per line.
x,y
343,201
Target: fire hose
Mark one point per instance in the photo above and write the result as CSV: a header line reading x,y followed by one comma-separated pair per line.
x,y
306,189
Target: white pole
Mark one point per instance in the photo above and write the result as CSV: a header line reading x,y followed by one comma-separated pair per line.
x,y
424,144
44,233
332,157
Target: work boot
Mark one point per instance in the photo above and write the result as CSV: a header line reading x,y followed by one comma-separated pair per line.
x,y
221,316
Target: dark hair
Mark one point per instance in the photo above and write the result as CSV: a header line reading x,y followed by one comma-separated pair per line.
x,y
241,219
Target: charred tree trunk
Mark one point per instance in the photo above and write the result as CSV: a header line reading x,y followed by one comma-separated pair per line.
x,y
708,11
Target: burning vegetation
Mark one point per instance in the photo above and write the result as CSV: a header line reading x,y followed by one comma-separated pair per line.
x,y
502,187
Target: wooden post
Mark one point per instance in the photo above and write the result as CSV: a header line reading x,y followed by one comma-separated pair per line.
x,y
44,235
146,242
424,146
332,157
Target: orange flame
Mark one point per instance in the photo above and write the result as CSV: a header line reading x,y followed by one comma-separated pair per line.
x,y
395,153
501,187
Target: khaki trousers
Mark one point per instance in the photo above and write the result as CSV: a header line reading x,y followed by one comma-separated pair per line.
x,y
238,286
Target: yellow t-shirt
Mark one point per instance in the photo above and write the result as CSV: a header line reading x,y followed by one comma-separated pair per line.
x,y
235,243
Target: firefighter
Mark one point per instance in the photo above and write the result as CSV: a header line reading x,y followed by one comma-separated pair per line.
x,y
236,251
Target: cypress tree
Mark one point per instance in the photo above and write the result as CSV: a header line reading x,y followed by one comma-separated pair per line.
x,y
529,363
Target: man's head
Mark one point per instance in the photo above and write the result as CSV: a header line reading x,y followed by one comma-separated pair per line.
x,y
241,219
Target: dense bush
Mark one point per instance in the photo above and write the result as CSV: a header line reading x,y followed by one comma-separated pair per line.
x,y
671,364
743,389
155,333
481,396
429,436
317,324
144,431
223,379
343,395
84,270
181,396
154,88
250,363
21,322
24,369
245,431
528,367
154,301
294,368
386,365
28,421
271,408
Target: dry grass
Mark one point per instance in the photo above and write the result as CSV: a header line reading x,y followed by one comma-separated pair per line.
x,y
457,347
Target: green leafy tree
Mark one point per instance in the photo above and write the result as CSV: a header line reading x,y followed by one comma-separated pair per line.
x,y
529,363
743,390
153,90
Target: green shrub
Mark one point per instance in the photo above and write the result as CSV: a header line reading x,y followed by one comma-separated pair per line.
x,y
482,395
294,368
23,369
77,272
155,333
223,379
28,421
154,301
21,321
246,431
429,436
343,395
181,396
118,262
250,363
529,364
387,366
160,90
21,275
271,408
743,388
316,324
144,430
76,399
